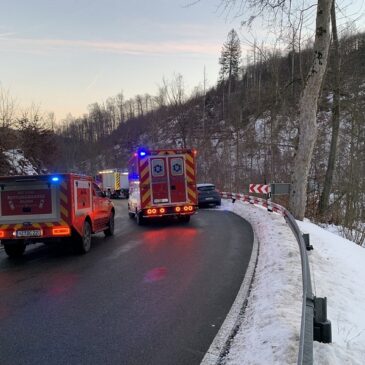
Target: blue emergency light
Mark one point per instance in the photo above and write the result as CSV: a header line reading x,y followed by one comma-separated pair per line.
x,y
142,153
55,179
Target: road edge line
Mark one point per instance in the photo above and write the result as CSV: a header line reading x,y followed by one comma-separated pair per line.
x,y
234,318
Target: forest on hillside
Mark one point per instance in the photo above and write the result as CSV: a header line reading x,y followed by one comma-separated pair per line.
x,y
245,127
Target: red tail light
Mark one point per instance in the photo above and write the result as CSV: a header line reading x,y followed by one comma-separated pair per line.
x,y
162,210
61,231
2,234
177,209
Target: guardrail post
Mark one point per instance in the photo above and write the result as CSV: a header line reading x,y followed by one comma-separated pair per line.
x,y
308,246
322,331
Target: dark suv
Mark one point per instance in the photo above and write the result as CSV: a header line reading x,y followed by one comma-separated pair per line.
x,y
208,194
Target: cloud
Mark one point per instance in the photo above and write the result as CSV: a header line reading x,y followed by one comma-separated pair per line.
x,y
142,48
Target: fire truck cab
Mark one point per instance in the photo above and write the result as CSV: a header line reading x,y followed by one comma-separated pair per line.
x,y
162,183
43,208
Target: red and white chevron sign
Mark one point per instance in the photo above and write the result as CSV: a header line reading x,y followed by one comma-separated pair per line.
x,y
259,188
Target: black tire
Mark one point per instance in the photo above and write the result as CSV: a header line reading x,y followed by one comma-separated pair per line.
x,y
84,241
131,215
219,204
184,218
140,219
110,230
14,249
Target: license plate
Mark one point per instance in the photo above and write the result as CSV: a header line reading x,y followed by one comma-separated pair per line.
x,y
29,233
209,198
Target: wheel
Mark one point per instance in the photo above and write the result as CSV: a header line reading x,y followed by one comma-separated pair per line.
x,y
184,218
110,230
14,249
140,219
84,241
131,215
219,204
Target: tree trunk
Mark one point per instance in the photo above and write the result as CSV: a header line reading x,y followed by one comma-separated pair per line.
x,y
323,204
308,111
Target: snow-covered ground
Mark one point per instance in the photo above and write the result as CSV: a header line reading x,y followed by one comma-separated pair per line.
x,y
269,333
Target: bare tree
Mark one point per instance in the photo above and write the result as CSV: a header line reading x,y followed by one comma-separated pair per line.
x,y
7,118
323,204
308,110
309,97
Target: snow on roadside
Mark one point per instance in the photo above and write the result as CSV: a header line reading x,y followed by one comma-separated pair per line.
x,y
270,330
338,273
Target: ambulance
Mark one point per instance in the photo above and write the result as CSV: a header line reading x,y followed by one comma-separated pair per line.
x,y
44,208
162,183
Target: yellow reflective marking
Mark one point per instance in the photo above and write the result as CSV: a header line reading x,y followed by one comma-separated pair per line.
x,y
191,193
4,226
117,181
63,197
146,196
64,211
37,225
190,170
189,158
63,223
17,226
49,224
144,172
147,181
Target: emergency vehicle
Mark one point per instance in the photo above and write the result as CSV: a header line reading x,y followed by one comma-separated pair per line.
x,y
162,183
113,182
43,208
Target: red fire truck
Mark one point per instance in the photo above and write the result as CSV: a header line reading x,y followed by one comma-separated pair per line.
x,y
42,208
162,183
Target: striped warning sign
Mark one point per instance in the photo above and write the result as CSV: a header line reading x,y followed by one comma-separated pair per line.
x,y
259,188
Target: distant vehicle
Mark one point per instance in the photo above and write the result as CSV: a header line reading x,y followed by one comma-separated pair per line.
x,y
114,182
208,194
162,183
44,208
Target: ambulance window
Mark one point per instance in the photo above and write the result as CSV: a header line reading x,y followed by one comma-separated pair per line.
x,y
177,166
158,167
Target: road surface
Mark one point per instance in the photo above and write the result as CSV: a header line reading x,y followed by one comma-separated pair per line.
x,y
155,294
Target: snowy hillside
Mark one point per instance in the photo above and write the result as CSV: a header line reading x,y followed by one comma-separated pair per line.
x,y
19,165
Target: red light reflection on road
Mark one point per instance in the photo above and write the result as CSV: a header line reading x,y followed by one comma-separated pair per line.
x,y
156,274
4,311
7,281
61,283
154,239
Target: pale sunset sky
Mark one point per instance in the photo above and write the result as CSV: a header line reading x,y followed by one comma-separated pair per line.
x,y
65,55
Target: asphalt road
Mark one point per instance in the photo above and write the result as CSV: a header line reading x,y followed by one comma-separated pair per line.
x,y
155,295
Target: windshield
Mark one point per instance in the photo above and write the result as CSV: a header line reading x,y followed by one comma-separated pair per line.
x,y
206,188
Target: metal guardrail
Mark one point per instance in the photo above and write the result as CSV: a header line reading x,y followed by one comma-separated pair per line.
x,y
308,320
